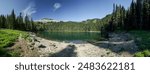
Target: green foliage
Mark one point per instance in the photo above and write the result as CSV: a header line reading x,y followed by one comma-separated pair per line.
x,y
7,37
69,26
139,54
145,53
135,18
146,14
12,53
17,22
84,26
2,52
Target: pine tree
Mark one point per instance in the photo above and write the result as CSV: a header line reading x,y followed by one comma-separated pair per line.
x,y
33,29
132,14
139,13
127,26
149,12
118,18
0,22
146,15
11,20
20,23
8,22
27,23
3,20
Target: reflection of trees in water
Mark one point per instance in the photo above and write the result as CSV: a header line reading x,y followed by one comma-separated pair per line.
x,y
70,35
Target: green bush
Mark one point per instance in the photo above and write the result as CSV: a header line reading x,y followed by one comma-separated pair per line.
x,y
146,53
139,54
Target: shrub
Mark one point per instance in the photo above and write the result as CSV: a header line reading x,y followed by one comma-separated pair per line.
x,y
146,53
139,54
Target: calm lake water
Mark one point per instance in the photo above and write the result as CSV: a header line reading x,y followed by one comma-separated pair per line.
x,y
69,36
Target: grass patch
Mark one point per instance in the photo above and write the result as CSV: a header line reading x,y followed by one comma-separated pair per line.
x,y
7,39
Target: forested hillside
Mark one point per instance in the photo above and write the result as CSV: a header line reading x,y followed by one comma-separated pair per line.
x,y
70,26
136,17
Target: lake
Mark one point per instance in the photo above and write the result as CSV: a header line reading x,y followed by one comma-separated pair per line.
x,y
69,36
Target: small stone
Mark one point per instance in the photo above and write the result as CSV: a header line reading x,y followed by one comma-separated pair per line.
x,y
32,43
41,46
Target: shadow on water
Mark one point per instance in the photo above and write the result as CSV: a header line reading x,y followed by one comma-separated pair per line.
x,y
69,51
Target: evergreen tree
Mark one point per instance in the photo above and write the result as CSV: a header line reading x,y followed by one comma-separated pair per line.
x,y
20,23
146,15
127,22
132,15
11,20
118,18
33,29
27,23
139,13
3,20
149,12
0,21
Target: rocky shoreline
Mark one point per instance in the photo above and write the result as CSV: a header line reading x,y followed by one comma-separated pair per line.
x,y
78,48
118,45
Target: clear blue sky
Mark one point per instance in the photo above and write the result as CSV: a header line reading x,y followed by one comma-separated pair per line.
x,y
66,10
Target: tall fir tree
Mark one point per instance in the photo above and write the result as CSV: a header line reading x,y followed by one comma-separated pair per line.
x,y
146,15
13,19
139,13
20,22
27,23
133,15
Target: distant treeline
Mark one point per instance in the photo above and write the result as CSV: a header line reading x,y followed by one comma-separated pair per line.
x,y
84,26
71,26
18,22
